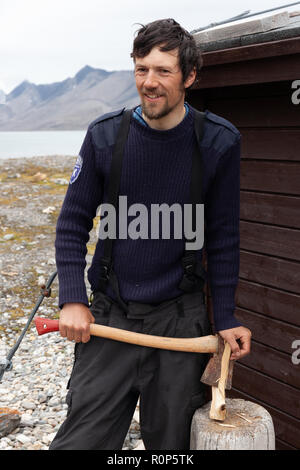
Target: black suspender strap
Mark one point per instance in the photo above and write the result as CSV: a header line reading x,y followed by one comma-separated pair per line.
x,y
197,170
107,272
193,272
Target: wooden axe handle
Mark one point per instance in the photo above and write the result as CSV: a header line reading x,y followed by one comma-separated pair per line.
x,y
218,405
203,344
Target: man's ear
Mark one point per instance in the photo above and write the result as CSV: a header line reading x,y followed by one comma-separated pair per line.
x,y
190,79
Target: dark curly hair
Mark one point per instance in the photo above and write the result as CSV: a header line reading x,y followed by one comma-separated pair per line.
x,y
169,35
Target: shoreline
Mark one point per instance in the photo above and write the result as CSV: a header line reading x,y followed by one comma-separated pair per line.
x,y
53,158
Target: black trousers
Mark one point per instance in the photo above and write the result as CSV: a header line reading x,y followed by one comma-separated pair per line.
x,y
108,377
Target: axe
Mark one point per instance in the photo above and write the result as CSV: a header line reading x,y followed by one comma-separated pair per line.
x,y
218,372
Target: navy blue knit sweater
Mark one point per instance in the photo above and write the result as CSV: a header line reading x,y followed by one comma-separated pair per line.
x,y
156,168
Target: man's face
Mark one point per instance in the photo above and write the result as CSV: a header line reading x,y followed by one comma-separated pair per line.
x,y
159,83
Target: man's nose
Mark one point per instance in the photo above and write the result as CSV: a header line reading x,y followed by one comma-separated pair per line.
x,y
151,80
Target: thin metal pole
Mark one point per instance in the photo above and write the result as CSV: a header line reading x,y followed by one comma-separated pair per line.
x,y
6,365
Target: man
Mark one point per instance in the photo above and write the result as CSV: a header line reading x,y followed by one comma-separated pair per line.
x,y
108,377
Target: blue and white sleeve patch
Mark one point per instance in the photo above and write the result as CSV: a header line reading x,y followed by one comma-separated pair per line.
x,y
77,169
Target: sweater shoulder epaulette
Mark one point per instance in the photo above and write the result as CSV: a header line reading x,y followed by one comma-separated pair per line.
x,y
220,121
104,117
104,128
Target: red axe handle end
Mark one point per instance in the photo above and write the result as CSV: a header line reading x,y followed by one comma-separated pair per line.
x,y
45,325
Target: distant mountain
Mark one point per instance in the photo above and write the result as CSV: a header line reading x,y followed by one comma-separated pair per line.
x,y
71,104
2,97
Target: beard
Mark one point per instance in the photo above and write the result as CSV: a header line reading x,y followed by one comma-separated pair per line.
x,y
150,110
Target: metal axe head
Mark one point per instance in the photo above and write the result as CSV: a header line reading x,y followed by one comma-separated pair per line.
x,y
212,372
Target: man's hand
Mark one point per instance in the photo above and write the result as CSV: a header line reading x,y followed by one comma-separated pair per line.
x,y
74,322
232,335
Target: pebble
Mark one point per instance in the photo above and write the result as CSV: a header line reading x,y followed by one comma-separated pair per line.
x,y
61,181
22,438
28,405
49,210
27,421
8,236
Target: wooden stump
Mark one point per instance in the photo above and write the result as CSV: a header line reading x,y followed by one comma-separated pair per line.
x,y
247,426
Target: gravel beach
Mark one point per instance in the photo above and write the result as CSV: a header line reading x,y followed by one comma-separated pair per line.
x,y
32,192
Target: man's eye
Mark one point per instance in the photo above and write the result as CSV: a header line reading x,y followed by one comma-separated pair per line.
x,y
141,70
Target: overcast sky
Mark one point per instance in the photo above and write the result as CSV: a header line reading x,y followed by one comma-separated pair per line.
x,y
44,41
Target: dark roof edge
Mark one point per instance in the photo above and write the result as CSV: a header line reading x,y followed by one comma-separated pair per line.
x,y
257,38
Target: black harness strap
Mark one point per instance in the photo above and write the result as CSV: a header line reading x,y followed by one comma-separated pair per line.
x,y
107,272
194,274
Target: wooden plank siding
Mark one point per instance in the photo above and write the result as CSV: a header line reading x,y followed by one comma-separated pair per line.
x,y
279,68
268,293
270,209
252,52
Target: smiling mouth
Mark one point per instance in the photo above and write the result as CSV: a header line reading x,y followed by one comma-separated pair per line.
x,y
152,97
